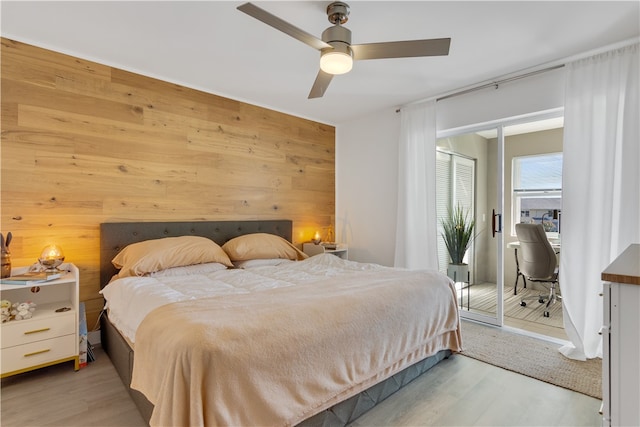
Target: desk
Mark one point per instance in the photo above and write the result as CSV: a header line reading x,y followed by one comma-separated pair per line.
x,y
515,245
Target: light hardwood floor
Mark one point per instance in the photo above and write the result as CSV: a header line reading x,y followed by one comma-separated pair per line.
x,y
457,392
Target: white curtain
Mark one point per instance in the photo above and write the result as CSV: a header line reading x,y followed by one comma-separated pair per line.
x,y
416,232
601,186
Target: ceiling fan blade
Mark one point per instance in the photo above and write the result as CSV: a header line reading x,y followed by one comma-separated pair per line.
x,y
402,49
279,24
320,85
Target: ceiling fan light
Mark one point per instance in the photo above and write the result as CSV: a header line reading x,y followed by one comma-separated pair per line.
x,y
335,62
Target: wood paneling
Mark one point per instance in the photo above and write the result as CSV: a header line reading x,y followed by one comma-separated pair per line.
x,y
84,143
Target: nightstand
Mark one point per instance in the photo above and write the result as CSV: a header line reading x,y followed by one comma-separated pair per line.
x,y
311,249
51,335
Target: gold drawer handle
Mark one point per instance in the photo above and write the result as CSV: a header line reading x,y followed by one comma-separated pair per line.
x,y
37,330
36,353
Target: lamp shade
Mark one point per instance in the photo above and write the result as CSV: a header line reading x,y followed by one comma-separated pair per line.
x,y
51,257
336,62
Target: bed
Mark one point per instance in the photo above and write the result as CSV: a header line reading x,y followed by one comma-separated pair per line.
x,y
313,342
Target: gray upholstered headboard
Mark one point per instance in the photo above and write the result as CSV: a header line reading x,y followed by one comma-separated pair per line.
x,y
114,236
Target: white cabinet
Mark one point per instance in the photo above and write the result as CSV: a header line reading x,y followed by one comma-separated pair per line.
x,y
51,335
621,340
312,249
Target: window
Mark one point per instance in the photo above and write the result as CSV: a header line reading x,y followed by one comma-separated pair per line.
x,y
455,183
537,191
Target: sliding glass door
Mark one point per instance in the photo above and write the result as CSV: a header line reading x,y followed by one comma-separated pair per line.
x,y
470,180
472,174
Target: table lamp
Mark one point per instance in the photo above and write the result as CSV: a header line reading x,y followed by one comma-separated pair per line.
x,y
51,257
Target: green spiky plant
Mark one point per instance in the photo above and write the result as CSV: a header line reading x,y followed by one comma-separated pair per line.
x,y
457,233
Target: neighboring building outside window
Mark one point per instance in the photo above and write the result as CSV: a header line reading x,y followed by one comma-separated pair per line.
x,y
537,191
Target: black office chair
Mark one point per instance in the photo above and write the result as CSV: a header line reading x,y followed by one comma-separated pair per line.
x,y
538,262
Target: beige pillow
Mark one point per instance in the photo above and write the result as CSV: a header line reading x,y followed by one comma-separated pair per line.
x,y
261,246
150,256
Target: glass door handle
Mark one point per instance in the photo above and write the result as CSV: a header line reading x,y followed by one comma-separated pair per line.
x,y
493,223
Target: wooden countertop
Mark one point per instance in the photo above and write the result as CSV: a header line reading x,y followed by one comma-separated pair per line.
x,y
625,268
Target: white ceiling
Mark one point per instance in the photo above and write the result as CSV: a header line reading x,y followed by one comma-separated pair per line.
x,y
213,47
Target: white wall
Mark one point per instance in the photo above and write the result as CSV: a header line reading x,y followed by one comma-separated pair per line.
x,y
367,159
366,186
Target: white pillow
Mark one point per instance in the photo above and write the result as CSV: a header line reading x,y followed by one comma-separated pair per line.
x,y
250,263
207,268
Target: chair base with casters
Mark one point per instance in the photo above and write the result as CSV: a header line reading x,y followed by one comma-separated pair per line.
x,y
551,298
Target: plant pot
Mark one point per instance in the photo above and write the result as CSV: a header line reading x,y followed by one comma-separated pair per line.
x,y
458,272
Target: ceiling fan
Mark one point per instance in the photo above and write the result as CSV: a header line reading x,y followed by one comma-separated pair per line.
x,y
336,51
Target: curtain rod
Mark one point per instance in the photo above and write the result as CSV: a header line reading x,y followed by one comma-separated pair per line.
x,y
495,83
555,65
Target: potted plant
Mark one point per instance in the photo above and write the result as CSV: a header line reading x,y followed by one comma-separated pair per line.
x,y
458,235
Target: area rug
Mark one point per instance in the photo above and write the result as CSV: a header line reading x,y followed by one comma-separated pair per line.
x,y
532,357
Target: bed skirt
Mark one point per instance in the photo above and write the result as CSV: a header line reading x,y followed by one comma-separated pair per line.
x,y
341,414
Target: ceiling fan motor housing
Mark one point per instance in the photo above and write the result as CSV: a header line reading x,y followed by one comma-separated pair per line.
x,y
339,38
337,33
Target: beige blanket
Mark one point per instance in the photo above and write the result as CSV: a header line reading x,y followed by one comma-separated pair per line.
x,y
279,356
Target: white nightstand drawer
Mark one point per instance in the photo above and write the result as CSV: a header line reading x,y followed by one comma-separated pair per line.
x,y
50,336
38,353
17,332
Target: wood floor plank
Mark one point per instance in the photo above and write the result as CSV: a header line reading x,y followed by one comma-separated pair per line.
x,y
59,396
462,391
529,318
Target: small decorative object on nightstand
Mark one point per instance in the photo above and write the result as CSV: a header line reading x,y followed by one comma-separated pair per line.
x,y
6,256
340,250
50,336
51,257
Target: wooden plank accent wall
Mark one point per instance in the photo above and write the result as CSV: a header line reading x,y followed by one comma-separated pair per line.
x,y
84,143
